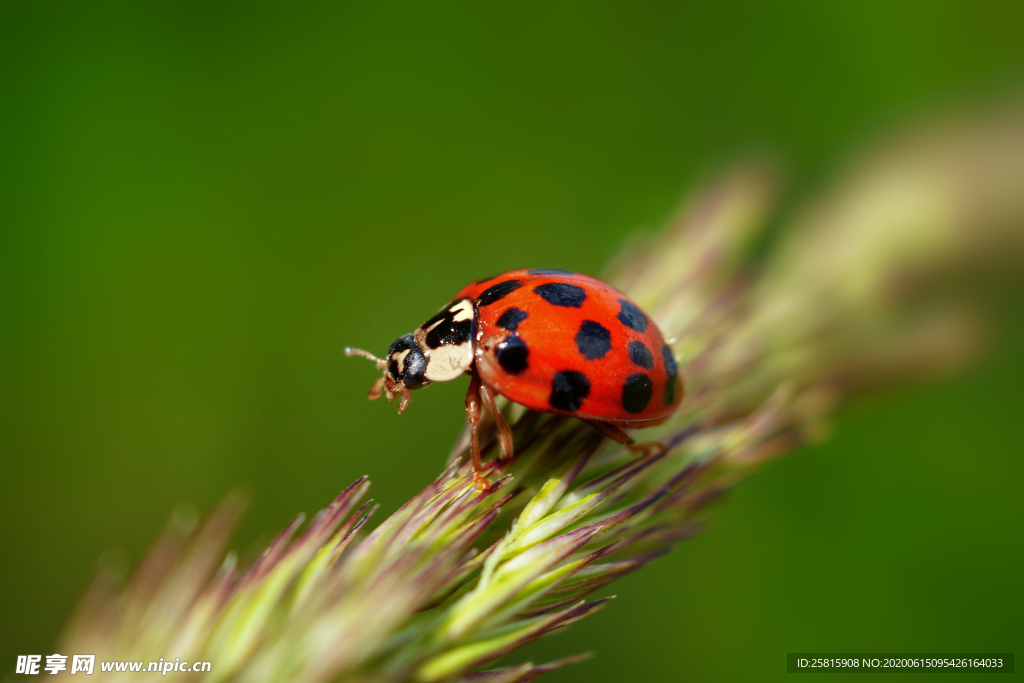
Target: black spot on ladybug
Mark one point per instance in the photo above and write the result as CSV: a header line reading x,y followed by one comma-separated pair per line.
x,y
673,371
593,340
631,316
549,271
568,390
641,355
562,294
498,292
511,318
512,353
636,393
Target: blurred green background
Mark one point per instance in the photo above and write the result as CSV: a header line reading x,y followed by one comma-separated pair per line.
x,y
203,202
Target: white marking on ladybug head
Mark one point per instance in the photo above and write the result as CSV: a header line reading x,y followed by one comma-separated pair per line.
x,y
458,312
446,341
463,310
448,361
400,359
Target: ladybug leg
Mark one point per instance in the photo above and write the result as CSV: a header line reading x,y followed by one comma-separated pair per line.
x,y
376,389
473,401
646,449
612,432
390,389
504,432
403,402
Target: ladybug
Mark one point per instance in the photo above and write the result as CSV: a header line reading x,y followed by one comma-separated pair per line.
x,y
551,340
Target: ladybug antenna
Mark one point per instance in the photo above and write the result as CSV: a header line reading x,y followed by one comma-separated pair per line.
x,y
381,363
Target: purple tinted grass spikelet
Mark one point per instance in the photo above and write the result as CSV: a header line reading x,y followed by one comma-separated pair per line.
x,y
457,579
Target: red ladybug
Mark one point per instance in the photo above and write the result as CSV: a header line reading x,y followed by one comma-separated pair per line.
x,y
551,340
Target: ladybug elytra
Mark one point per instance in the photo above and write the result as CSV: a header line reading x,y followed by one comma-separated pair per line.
x,y
551,340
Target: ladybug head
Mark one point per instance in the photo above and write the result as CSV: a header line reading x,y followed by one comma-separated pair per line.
x,y
403,368
440,350
406,363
